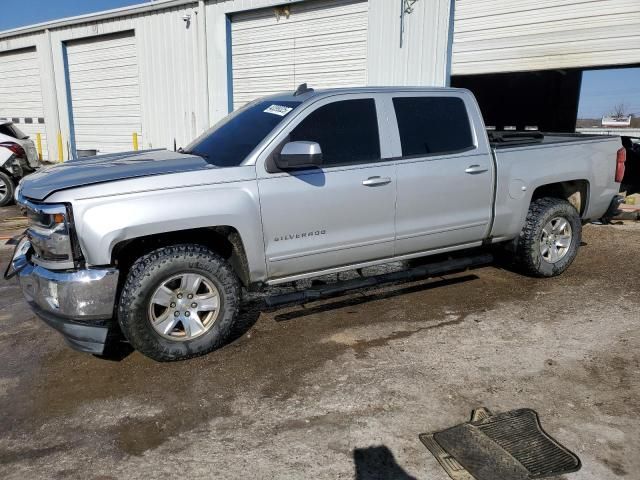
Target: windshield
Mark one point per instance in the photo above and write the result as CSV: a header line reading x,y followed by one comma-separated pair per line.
x,y
228,143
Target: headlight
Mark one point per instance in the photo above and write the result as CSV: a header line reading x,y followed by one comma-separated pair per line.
x,y
50,233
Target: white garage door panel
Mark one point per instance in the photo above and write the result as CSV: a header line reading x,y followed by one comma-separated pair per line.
x,y
118,134
323,43
132,93
21,94
496,36
274,45
316,24
313,54
101,85
105,92
19,75
126,71
18,109
115,104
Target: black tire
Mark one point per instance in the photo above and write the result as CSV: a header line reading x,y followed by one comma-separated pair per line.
x,y
148,273
528,255
7,189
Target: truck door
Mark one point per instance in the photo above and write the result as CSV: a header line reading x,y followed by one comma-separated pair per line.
x,y
341,213
445,178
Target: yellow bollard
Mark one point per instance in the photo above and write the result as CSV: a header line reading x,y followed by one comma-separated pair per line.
x,y
60,151
135,141
39,145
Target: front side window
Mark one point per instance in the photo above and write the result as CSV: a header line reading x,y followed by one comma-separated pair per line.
x,y
346,130
231,140
432,125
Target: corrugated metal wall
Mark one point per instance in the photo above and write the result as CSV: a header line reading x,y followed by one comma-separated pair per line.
x,y
172,70
21,93
172,91
423,57
422,60
184,75
493,36
322,43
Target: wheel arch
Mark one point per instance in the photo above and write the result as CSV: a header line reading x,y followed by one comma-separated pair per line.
x,y
225,240
576,192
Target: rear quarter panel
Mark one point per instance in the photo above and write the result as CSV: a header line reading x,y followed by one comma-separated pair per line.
x,y
521,170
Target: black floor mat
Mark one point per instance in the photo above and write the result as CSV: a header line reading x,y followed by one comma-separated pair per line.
x,y
507,446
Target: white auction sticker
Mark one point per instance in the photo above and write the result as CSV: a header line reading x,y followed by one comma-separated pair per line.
x,y
278,110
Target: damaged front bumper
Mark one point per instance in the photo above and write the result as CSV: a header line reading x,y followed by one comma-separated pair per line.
x,y
77,303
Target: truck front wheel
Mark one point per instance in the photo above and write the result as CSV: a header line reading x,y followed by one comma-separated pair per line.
x,y
178,302
549,241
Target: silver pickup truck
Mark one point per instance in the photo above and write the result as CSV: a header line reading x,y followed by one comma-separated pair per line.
x,y
158,245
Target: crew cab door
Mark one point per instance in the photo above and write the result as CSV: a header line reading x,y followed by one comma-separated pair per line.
x,y
445,173
341,213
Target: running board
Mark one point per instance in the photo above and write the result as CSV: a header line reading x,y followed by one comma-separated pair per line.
x,y
416,273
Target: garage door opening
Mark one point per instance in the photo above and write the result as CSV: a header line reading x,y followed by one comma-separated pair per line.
x,y
544,100
555,100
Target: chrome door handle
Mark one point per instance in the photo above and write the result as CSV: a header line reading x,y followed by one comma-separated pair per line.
x,y
475,169
376,181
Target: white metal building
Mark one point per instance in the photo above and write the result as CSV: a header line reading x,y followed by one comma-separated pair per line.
x,y
167,70
529,56
494,36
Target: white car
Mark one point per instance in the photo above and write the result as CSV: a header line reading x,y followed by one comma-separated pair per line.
x,y
18,157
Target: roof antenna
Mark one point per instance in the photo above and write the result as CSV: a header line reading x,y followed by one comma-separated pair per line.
x,y
302,88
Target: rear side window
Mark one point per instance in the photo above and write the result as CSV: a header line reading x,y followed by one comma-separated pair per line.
x,y
347,131
6,129
432,125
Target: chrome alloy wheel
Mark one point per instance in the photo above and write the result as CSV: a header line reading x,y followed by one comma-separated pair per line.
x,y
184,307
556,239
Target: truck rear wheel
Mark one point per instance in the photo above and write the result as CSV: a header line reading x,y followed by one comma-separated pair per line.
x,y
549,241
178,302
7,187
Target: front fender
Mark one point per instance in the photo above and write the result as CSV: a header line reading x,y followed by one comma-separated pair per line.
x,y
102,223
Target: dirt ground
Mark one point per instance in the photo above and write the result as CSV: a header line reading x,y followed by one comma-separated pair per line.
x,y
341,388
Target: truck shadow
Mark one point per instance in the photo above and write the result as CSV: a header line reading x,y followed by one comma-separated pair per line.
x,y
377,463
118,349
363,296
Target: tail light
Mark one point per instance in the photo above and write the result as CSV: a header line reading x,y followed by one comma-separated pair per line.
x,y
621,158
14,147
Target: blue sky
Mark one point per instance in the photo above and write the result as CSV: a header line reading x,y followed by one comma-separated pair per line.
x,y
603,89
17,13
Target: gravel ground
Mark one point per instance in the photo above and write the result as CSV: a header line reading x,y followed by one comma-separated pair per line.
x,y
341,388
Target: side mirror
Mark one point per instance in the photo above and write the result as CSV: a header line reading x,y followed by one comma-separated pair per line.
x,y
299,155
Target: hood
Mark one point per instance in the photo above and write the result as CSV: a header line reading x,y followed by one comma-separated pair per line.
x,y
107,168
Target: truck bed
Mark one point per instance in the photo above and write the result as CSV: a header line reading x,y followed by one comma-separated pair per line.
x,y
510,139
523,163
